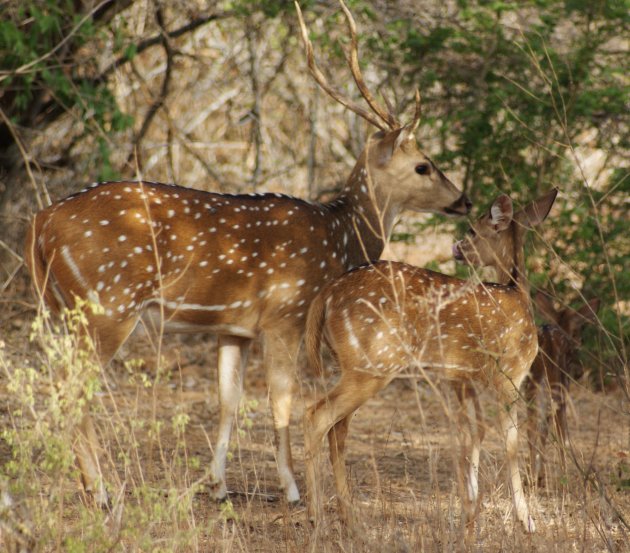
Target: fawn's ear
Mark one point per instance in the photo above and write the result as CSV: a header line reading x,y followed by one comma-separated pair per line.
x,y
536,212
501,212
545,307
588,312
390,141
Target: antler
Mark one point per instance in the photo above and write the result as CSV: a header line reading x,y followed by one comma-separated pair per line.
x,y
418,112
389,120
386,115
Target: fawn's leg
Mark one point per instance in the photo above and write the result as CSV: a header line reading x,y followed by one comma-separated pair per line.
x,y
331,415
559,401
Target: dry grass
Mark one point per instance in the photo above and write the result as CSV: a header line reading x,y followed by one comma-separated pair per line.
x,y
157,428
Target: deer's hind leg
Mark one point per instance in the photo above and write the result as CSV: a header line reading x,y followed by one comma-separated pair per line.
x,y
281,352
331,416
107,338
508,396
471,422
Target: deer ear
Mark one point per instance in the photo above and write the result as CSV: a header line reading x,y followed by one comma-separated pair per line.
x,y
536,212
589,311
390,142
545,307
501,212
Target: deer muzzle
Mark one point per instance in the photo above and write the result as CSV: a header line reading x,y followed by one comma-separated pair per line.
x,y
461,206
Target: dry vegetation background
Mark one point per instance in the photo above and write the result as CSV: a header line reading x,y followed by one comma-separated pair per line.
x,y
221,100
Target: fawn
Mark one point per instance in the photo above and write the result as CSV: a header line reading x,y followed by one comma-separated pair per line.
x,y
384,318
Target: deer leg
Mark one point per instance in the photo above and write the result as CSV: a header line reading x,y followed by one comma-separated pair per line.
x,y
337,444
331,416
535,397
106,339
86,450
508,419
470,419
280,359
232,362
559,401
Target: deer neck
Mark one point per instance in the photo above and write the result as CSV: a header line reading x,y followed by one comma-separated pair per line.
x,y
368,213
510,267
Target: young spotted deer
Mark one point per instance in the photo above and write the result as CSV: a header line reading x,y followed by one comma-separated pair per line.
x,y
555,366
236,265
385,318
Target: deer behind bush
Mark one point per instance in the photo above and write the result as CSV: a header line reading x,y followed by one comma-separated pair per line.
x,y
555,366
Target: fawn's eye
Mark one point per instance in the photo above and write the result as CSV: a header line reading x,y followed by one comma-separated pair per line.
x,y
422,169
472,233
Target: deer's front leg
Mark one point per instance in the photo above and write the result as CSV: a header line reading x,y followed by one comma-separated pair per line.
x,y
280,359
232,362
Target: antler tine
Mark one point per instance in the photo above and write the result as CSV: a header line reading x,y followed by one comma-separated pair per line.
x,y
323,82
418,112
388,105
387,116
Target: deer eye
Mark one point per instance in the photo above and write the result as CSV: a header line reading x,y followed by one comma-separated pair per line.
x,y
472,233
422,169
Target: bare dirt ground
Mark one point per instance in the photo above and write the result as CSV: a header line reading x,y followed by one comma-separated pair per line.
x,y
400,456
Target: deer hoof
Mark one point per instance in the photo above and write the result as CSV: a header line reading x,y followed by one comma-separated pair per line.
x,y
217,491
529,525
100,498
292,494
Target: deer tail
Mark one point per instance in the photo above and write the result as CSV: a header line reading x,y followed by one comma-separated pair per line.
x,y
37,265
315,332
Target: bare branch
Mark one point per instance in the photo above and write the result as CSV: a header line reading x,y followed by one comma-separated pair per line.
x,y
159,101
255,112
156,40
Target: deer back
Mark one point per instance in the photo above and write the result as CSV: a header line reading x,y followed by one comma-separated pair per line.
x,y
387,317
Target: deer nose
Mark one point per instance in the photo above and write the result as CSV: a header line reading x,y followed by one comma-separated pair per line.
x,y
467,203
461,206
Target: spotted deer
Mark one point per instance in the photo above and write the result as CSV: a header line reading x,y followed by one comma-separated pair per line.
x,y
555,366
235,265
384,318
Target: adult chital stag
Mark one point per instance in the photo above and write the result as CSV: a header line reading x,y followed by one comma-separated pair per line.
x,y
236,265
555,366
384,318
